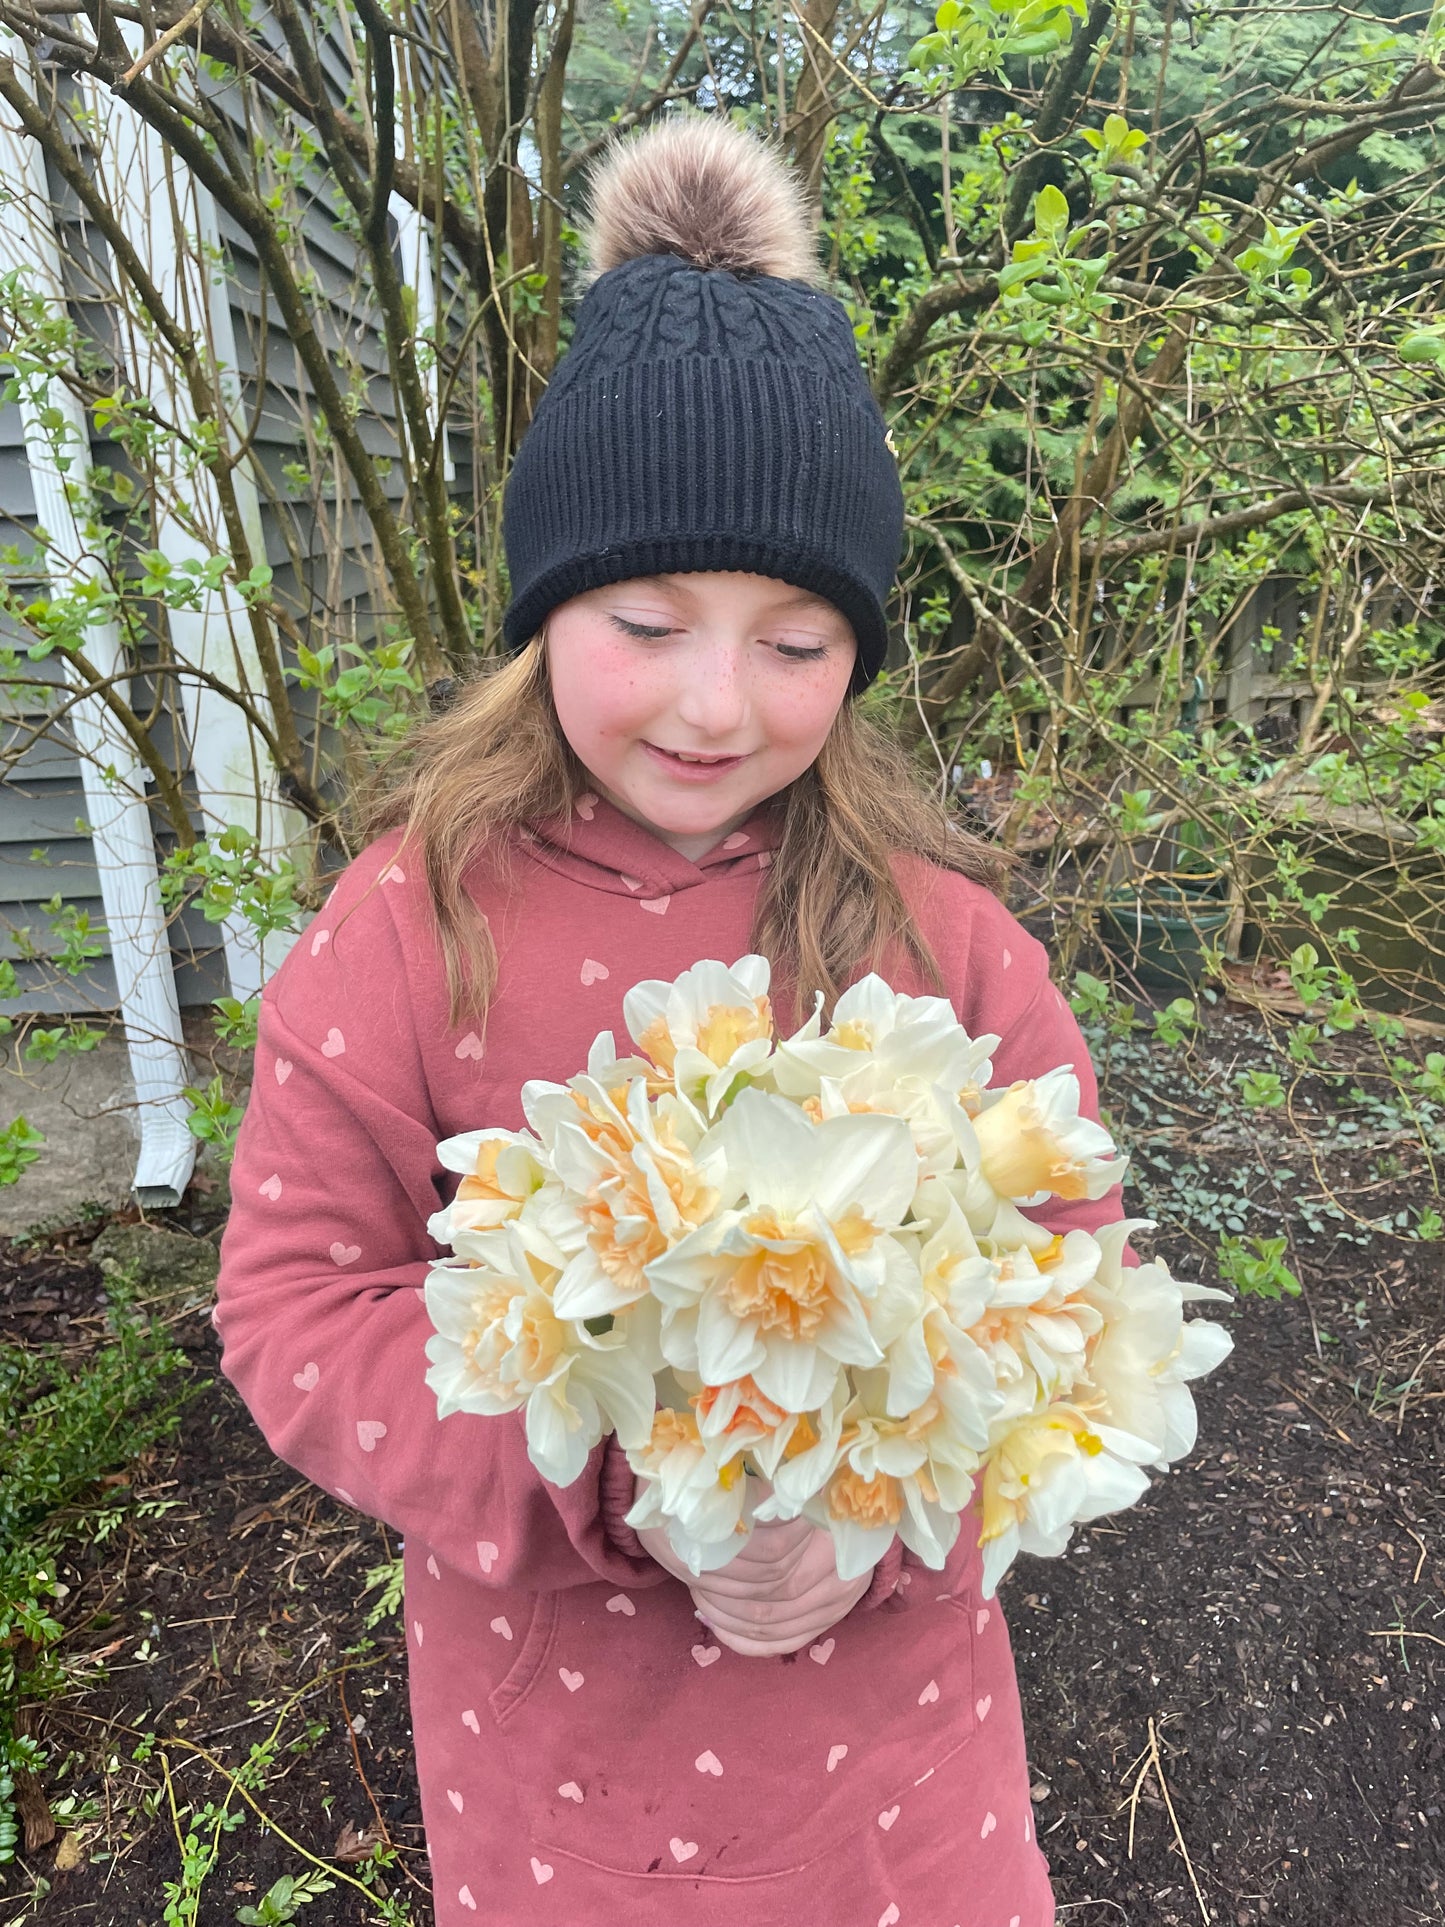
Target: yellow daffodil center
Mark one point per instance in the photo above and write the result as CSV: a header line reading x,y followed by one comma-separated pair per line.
x,y
752,1412
853,1034
865,1502
1019,1153
1021,1457
541,1339
724,1030
729,1474
695,1200
789,1290
727,1027
482,1181
603,1129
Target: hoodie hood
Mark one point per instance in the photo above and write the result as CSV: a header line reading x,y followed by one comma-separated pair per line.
x,y
596,845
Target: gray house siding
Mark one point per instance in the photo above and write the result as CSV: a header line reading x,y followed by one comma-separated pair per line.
x,y
317,544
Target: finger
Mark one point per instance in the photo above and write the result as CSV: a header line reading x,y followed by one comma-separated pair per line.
x,y
821,1606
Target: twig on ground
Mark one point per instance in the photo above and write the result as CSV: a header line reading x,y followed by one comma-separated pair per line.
x,y
1424,1555
1154,1761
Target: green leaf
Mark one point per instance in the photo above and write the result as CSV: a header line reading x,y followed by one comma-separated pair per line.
x,y
1051,212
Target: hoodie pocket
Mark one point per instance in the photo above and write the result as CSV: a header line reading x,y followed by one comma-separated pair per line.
x,y
640,1744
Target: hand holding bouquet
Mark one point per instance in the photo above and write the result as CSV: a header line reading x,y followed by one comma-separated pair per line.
x,y
806,1258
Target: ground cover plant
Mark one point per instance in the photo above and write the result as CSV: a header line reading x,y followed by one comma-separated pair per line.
x,y
1232,1692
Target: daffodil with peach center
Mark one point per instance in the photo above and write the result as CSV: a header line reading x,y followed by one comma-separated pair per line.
x,y
499,1343
864,1502
738,1418
697,1490
1048,1472
499,1172
785,1282
710,1031
1031,1143
870,1477
775,1285
637,1194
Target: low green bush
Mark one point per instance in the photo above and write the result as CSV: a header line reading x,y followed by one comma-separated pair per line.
x,y
64,1423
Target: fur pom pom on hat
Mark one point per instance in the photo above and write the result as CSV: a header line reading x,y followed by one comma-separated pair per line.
x,y
701,188
711,412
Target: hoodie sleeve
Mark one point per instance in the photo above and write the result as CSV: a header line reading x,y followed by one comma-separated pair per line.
x,y
319,1300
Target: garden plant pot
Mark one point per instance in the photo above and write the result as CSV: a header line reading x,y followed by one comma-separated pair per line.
x,y
1159,930
1391,894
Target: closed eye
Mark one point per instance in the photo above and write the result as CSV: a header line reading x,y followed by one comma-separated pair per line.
x,y
639,629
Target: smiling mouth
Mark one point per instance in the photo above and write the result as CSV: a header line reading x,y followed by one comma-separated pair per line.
x,y
689,756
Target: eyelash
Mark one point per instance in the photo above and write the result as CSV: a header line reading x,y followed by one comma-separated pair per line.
x,y
790,652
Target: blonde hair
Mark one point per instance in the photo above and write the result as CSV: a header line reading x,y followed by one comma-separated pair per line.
x,y
829,903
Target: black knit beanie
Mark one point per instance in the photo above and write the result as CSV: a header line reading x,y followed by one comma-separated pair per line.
x,y
711,411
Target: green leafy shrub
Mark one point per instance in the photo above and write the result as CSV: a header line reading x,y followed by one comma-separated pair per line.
x,y
64,1423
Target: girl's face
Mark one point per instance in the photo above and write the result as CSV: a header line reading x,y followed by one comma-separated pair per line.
x,y
691,698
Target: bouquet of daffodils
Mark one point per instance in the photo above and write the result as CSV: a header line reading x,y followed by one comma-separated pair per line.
x,y
807,1259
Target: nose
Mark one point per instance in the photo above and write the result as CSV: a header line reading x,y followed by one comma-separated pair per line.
x,y
713,695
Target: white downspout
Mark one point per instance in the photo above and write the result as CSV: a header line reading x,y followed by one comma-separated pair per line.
x,y
169,221
414,247
112,773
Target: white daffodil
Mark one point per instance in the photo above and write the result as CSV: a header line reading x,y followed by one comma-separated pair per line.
x,y
955,1297
700,1494
1146,1352
500,1171
736,1417
499,1344
706,1031
1030,1143
895,1318
1036,1318
812,1456
1046,1474
881,1041
871,1478
775,1286
637,1186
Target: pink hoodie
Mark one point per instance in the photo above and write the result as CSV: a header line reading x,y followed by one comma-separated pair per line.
x,y
588,1755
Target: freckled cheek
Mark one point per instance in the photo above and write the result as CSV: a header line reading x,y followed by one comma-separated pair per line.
x,y
604,695
799,714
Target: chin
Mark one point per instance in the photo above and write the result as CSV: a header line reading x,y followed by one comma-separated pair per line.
x,y
684,816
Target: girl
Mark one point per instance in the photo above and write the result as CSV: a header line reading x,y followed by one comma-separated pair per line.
x,y
702,526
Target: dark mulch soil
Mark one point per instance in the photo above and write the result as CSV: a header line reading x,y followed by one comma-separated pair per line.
x,y
1276,1609
228,1609
1232,1693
